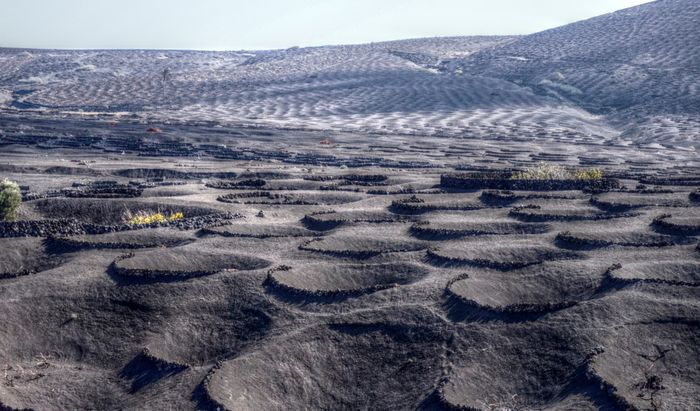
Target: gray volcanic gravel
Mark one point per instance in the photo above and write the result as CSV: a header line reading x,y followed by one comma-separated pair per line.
x,y
346,305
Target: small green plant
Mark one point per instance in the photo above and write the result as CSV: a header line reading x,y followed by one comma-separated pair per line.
x,y
545,171
10,200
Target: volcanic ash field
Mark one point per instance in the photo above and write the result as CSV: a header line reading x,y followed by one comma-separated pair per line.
x,y
285,281
493,223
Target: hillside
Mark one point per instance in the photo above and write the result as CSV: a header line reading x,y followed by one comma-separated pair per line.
x,y
639,66
628,78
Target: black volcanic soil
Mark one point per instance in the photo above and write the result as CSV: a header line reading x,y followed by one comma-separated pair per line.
x,y
336,282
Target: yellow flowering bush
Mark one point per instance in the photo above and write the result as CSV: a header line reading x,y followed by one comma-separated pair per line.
x,y
593,174
176,216
145,218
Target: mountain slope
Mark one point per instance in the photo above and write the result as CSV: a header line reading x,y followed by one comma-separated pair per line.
x,y
630,77
639,65
391,87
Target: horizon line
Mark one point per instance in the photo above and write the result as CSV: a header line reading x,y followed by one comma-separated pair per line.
x,y
263,49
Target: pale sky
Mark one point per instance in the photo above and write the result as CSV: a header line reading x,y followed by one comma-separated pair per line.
x,y
268,24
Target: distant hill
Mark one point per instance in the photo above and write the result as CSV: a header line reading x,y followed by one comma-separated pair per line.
x,y
638,63
629,77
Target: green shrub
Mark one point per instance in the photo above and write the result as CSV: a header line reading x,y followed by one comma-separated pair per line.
x,y
10,200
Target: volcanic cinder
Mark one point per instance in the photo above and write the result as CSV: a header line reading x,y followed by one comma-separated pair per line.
x,y
340,227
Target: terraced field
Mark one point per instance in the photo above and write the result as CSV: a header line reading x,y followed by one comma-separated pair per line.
x,y
308,277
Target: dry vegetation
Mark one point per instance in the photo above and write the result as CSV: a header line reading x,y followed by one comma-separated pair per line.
x,y
546,171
